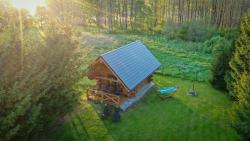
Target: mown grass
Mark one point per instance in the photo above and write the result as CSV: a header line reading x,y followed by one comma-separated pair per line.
x,y
183,118
206,117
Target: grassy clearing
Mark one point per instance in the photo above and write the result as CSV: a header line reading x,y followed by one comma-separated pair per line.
x,y
206,117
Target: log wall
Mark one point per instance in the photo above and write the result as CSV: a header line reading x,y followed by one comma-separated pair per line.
x,y
99,69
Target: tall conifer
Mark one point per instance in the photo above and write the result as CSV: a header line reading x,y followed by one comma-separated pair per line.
x,y
240,75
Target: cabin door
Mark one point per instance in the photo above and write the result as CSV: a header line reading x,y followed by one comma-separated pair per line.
x,y
117,88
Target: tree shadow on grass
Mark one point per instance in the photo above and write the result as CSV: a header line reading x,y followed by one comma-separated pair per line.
x,y
83,124
179,118
87,125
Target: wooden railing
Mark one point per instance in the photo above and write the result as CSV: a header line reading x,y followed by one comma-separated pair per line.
x,y
103,97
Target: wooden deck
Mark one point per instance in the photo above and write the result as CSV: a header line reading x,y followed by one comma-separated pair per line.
x,y
119,101
103,97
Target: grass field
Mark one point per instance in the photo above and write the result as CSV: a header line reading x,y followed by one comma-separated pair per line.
x,y
207,117
183,118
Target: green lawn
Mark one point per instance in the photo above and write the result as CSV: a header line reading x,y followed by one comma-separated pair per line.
x,y
182,118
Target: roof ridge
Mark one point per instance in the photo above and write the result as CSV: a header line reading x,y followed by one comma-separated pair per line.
x,y
136,41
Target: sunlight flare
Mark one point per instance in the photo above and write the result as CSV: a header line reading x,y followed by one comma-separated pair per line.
x,y
30,5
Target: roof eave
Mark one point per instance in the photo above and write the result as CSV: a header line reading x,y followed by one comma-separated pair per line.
x,y
146,77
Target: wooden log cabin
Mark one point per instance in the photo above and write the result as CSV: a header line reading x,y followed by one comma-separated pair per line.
x,y
122,75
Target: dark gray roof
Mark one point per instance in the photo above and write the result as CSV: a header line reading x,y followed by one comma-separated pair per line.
x,y
132,63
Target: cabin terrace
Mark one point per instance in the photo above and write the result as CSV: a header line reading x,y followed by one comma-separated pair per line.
x,y
122,75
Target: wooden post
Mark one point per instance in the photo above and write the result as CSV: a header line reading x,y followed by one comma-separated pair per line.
x,y
87,94
119,101
102,97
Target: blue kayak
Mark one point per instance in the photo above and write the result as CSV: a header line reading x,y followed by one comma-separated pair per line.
x,y
167,90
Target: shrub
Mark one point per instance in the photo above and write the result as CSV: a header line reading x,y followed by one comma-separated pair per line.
x,y
195,31
216,45
219,69
221,49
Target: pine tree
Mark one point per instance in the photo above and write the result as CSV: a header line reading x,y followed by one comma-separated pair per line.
x,y
33,93
240,76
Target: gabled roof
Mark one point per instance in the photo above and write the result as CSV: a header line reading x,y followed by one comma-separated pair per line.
x,y
132,63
